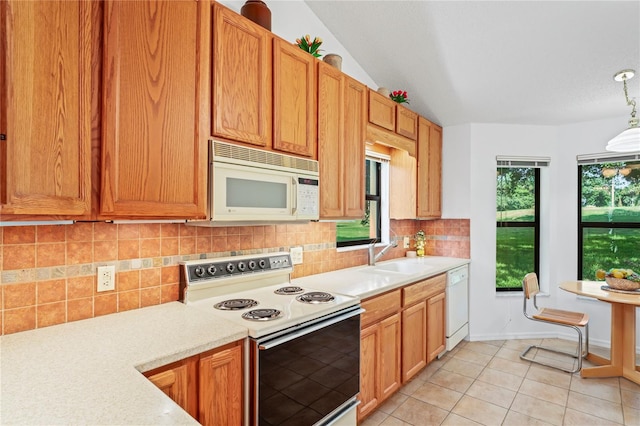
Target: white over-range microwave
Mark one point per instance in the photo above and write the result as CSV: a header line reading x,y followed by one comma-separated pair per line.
x,y
253,186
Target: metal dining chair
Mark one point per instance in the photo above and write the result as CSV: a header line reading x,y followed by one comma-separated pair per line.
x,y
571,319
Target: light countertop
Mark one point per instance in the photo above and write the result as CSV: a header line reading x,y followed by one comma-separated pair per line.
x,y
367,281
89,372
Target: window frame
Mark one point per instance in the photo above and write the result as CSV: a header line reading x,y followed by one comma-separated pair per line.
x,y
382,188
600,159
535,224
370,197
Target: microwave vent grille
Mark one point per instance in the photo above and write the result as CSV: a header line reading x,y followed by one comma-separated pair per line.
x,y
241,153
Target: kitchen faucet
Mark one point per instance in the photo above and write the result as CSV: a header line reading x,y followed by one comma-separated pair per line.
x,y
373,257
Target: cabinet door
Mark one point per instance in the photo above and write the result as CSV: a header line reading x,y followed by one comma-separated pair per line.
x,y
294,100
429,169
355,124
390,341
179,383
435,326
414,340
45,107
382,111
221,388
406,122
241,79
156,114
330,142
403,185
369,369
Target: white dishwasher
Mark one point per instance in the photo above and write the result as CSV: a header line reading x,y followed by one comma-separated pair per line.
x,y
457,299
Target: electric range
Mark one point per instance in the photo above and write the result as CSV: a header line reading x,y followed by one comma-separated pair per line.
x,y
302,360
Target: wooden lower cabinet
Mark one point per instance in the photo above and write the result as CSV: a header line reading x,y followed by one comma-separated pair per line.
x,y
402,331
220,401
208,386
379,363
435,326
414,340
178,381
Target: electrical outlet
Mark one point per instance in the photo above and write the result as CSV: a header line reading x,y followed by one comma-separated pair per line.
x,y
106,278
406,242
296,255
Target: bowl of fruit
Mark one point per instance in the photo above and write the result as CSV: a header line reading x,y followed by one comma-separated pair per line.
x,y
620,279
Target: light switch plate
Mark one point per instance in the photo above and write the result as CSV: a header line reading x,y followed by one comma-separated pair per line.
x,y
406,242
296,255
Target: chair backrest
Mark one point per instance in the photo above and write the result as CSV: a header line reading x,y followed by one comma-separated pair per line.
x,y
530,285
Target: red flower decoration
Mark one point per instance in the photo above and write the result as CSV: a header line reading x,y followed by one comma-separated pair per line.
x,y
399,96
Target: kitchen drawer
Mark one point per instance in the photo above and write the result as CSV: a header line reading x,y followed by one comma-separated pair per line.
x,y
379,307
423,290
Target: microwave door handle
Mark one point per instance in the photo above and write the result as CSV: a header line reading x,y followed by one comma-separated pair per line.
x,y
294,195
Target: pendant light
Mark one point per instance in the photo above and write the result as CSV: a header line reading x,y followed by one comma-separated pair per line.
x,y
629,140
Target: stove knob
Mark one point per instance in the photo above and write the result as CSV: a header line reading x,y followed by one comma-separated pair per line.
x,y
212,269
230,267
199,271
252,264
262,263
242,266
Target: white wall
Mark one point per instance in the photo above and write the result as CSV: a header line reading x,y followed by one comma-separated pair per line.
x,y
292,19
469,190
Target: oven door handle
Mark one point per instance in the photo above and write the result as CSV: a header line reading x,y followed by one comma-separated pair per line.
x,y
295,334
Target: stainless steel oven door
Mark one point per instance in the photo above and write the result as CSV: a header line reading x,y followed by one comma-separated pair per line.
x,y
308,376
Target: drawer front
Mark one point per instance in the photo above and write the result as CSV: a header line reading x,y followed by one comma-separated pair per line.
x,y
379,307
422,290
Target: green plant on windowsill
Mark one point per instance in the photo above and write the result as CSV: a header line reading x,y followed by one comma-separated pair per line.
x,y
305,43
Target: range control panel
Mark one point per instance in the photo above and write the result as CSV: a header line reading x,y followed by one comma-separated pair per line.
x,y
201,270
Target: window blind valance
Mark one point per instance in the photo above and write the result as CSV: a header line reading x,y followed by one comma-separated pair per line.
x,y
505,161
607,157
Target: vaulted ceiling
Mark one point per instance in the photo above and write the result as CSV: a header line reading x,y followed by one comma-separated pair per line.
x,y
524,62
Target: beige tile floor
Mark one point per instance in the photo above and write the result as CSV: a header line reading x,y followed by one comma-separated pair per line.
x,y
487,383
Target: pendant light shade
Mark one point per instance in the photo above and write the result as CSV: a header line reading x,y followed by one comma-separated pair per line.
x,y
629,140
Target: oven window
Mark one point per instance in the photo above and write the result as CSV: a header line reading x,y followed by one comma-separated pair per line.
x,y
305,379
255,193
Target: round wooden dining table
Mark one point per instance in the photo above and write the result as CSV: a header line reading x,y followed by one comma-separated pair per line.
x,y
623,331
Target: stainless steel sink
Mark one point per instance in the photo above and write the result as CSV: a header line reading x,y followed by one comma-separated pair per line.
x,y
399,268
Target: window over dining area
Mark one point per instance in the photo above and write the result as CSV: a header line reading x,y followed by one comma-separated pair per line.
x,y
608,213
517,220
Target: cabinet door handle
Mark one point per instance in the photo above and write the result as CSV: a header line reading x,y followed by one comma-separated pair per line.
x,y
3,137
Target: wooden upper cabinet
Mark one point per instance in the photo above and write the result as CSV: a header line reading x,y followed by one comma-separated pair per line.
x,y
382,111
156,116
341,133
355,123
406,122
294,100
330,143
402,185
45,107
429,169
242,77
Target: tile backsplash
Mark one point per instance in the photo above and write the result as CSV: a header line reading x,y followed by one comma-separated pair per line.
x,y
47,272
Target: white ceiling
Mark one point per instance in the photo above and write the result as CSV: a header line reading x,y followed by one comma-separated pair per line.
x,y
523,62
